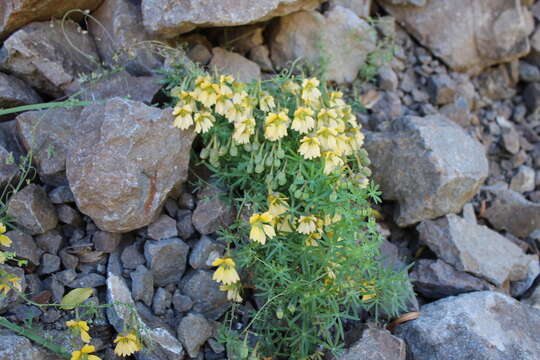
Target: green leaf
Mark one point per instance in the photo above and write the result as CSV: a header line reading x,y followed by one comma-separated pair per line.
x,y
75,297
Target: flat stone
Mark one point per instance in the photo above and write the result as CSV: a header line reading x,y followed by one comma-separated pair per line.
x,y
359,7
91,280
230,63
474,249
15,92
40,55
32,209
132,256
518,288
531,97
163,228
388,80
49,264
528,72
142,285
66,276
166,260
193,331
211,212
106,241
429,165
204,252
480,325
376,344
24,246
117,169
162,301
208,300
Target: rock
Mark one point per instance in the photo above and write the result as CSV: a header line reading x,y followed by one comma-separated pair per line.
x,y
24,246
49,134
376,344
208,300
211,212
105,241
441,89
241,39
12,296
429,165
18,13
388,80
512,212
169,18
132,257
166,346
205,252
121,39
468,213
68,215
162,301
15,92
186,201
499,28
474,249
69,261
8,168
142,285
91,280
261,56
50,242
436,279
528,72
117,169
66,276
312,36
49,264
61,195
359,7
199,54
166,260
181,302
45,56
481,325
518,288
184,223
163,228
496,83
458,112
524,180
510,137
193,331
226,62
15,347
531,97
32,209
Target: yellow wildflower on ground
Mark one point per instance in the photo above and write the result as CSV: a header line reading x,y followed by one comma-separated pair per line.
x,y
356,136
240,109
291,87
84,353
80,328
310,90
224,101
310,147
335,99
307,225
184,116
275,125
4,240
266,102
311,239
277,204
327,137
187,98
332,161
204,121
344,145
243,130
8,282
328,118
226,271
127,344
283,223
261,227
303,121
206,92
233,291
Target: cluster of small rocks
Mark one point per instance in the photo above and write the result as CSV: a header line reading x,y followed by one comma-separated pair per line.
x,y
453,134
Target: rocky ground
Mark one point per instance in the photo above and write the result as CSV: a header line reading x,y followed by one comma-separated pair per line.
x,y
452,130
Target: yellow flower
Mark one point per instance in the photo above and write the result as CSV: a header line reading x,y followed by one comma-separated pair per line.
x,y
80,328
348,116
224,101
9,282
261,227
332,161
243,130
240,109
127,344
336,99
187,98
206,92
277,204
266,102
83,354
226,271
310,147
275,126
307,225
344,145
204,120
311,239
310,90
291,87
357,138
283,223
328,117
233,291
4,240
184,118
327,137
226,79
303,120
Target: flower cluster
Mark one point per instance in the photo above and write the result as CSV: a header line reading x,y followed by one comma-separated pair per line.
x,y
227,275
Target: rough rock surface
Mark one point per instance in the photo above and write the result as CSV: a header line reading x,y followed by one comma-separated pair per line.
x,y
8,169
166,260
481,325
207,298
429,165
169,18
227,62
474,249
45,56
32,210
15,347
15,92
193,331
24,246
211,212
376,344
468,36
125,160
340,37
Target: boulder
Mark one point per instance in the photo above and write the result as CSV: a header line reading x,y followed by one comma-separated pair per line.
x,y
320,40
227,62
481,325
429,165
50,56
169,18
124,161
376,344
32,210
467,36
475,249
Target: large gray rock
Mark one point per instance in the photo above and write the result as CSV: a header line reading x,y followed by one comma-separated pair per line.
x,y
429,165
339,39
49,134
15,14
32,210
169,18
360,7
15,347
121,38
166,259
193,331
481,325
227,62
208,300
468,36
475,249
376,344
50,58
15,92
512,212
125,160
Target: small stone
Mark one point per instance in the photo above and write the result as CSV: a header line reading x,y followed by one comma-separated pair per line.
x,y
388,80
204,252
32,209
61,195
184,223
166,260
524,180
132,257
66,276
92,280
181,303
510,139
49,264
26,312
458,112
207,298
8,169
162,301
531,97
441,89
15,92
51,316
142,285
186,201
211,213
56,288
199,54
229,63
518,288
377,344
50,242
163,228
69,261
469,214
68,215
261,56
24,246
106,241
193,331
528,72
